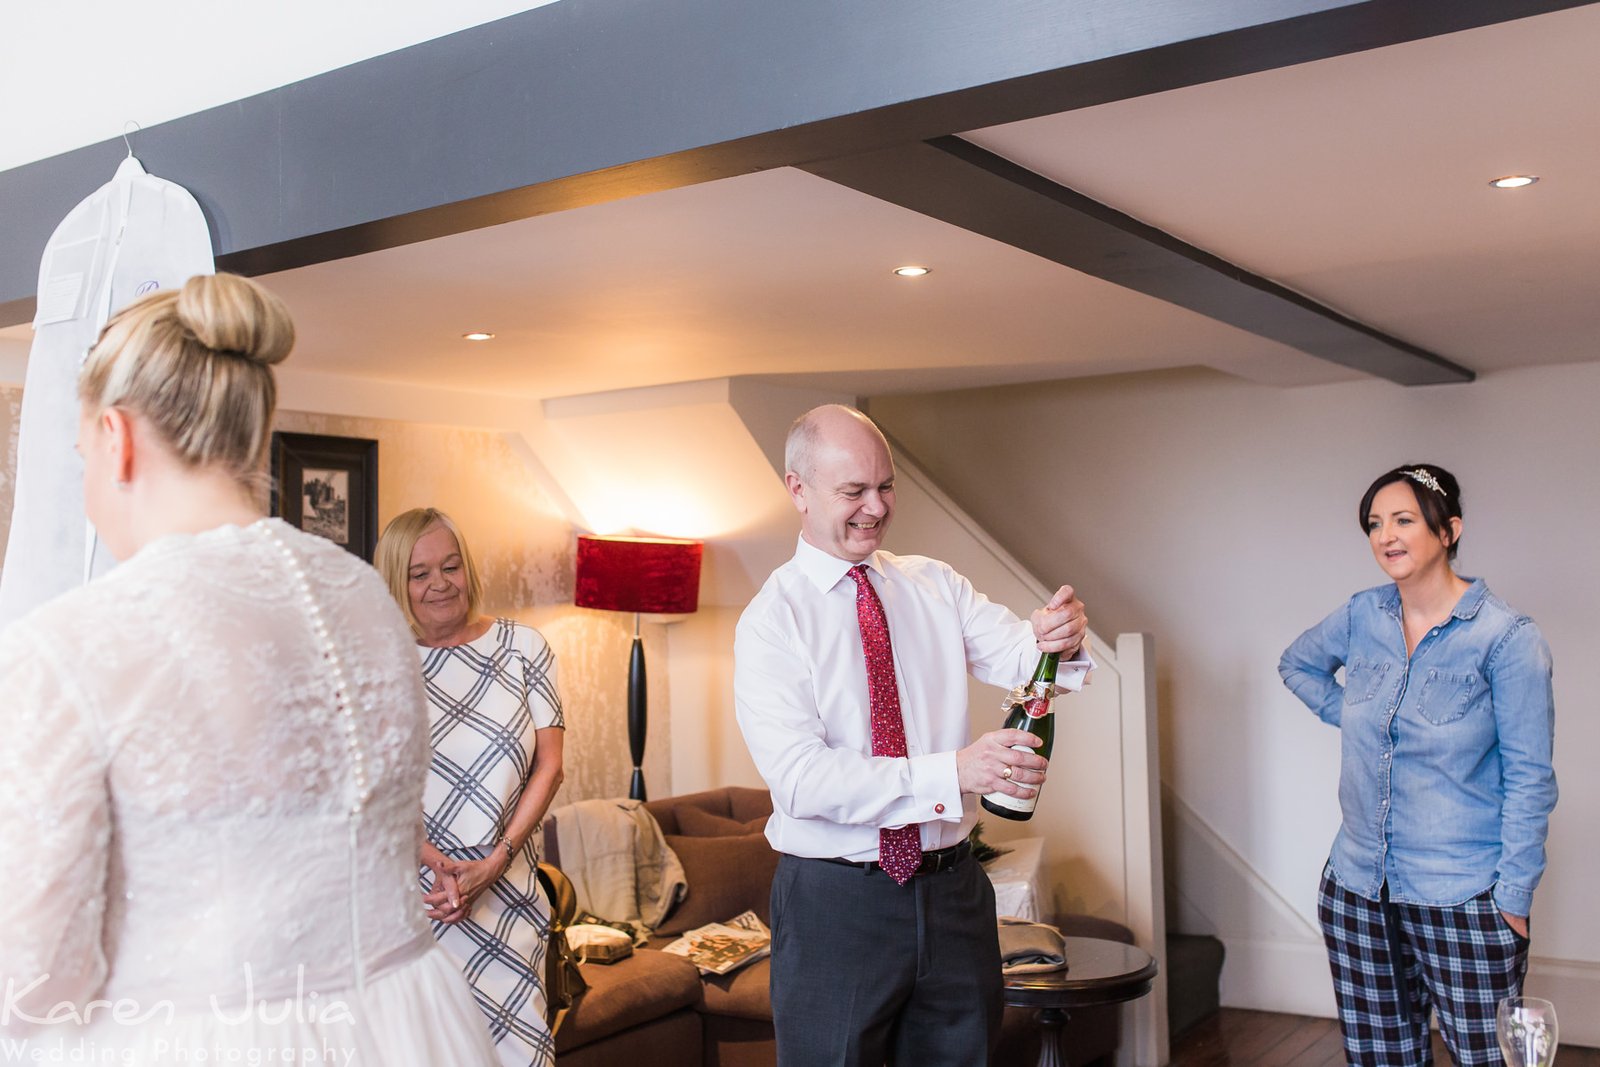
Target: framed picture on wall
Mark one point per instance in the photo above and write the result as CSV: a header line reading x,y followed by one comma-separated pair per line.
x,y
328,486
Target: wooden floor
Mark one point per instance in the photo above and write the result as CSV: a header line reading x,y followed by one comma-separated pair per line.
x,y
1261,1039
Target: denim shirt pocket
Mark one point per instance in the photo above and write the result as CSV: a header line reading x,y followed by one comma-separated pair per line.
x,y
1362,679
1446,697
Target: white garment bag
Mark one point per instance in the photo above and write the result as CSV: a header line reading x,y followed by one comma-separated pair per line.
x,y
134,234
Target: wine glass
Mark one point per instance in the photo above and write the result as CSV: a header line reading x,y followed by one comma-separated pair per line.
x,y
1526,1027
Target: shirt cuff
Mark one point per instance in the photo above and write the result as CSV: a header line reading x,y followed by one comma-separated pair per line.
x,y
1513,901
935,790
1071,674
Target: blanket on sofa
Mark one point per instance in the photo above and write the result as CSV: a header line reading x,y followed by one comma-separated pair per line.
x,y
617,858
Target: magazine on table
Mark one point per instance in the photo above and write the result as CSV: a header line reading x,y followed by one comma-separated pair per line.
x,y
718,948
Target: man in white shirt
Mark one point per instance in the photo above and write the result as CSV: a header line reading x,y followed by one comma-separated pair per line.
x,y
850,684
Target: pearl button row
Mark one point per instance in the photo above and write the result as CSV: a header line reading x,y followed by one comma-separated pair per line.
x,y
330,655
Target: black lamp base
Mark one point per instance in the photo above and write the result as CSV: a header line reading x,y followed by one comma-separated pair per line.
x,y
637,717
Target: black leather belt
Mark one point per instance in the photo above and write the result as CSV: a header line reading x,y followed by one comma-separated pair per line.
x,y
932,862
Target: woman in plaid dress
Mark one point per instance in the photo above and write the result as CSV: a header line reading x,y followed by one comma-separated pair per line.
x,y
1446,721
497,735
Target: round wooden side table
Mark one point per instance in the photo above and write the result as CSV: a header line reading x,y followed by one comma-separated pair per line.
x,y
1098,972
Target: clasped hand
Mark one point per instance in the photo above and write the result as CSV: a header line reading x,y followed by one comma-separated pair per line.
x,y
457,884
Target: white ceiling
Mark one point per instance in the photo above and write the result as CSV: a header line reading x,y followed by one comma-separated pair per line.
x,y
1360,180
1363,182
770,273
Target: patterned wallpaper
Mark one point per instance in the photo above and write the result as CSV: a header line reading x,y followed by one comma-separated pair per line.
x,y
524,548
522,542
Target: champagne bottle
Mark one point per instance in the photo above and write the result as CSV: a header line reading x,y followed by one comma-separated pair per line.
x,y
1028,708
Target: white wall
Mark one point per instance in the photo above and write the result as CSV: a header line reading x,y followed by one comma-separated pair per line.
x,y
1220,516
708,751
674,461
86,67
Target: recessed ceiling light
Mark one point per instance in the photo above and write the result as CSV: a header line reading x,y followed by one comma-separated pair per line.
x,y
913,272
478,335
1514,181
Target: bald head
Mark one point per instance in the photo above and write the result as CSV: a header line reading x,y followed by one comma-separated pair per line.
x,y
841,479
828,426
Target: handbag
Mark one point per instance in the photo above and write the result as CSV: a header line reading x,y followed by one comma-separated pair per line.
x,y
563,980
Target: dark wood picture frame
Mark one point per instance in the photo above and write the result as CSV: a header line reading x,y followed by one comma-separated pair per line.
x,y
341,475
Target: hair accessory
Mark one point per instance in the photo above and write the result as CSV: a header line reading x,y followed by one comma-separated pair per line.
x,y
1425,477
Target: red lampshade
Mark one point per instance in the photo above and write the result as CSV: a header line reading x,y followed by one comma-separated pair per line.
x,y
646,574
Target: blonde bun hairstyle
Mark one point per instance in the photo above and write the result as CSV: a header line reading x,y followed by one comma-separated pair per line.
x,y
195,363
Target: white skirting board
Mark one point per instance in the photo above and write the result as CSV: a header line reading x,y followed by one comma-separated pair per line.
x,y
1292,977
1284,976
1275,958
1573,986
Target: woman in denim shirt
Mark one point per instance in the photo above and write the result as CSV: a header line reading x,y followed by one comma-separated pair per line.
x,y
1445,720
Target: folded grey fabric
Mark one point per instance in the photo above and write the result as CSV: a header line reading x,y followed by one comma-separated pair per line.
x,y
1030,948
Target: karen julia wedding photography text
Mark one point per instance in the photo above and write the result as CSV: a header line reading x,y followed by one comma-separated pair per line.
x,y
91,1032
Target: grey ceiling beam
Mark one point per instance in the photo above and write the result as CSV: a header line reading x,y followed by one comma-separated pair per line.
x,y
584,101
958,182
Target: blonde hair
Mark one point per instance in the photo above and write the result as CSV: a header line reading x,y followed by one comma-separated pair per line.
x,y
392,558
195,363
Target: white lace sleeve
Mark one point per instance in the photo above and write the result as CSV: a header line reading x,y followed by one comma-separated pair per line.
x,y
55,826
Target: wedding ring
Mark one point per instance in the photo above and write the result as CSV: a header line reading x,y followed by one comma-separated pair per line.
x,y
1006,774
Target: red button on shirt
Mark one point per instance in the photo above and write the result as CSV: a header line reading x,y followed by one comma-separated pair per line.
x,y
938,809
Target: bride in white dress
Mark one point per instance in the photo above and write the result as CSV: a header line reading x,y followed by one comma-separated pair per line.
x,y
212,759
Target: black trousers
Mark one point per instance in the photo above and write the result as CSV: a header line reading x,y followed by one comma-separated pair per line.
x,y
866,972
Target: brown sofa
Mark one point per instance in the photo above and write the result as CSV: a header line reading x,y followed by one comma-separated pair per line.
x,y
655,1009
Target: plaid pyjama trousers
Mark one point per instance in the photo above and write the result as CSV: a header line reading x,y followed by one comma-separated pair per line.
x,y
1393,962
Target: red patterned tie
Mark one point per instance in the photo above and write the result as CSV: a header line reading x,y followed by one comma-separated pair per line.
x,y
900,849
